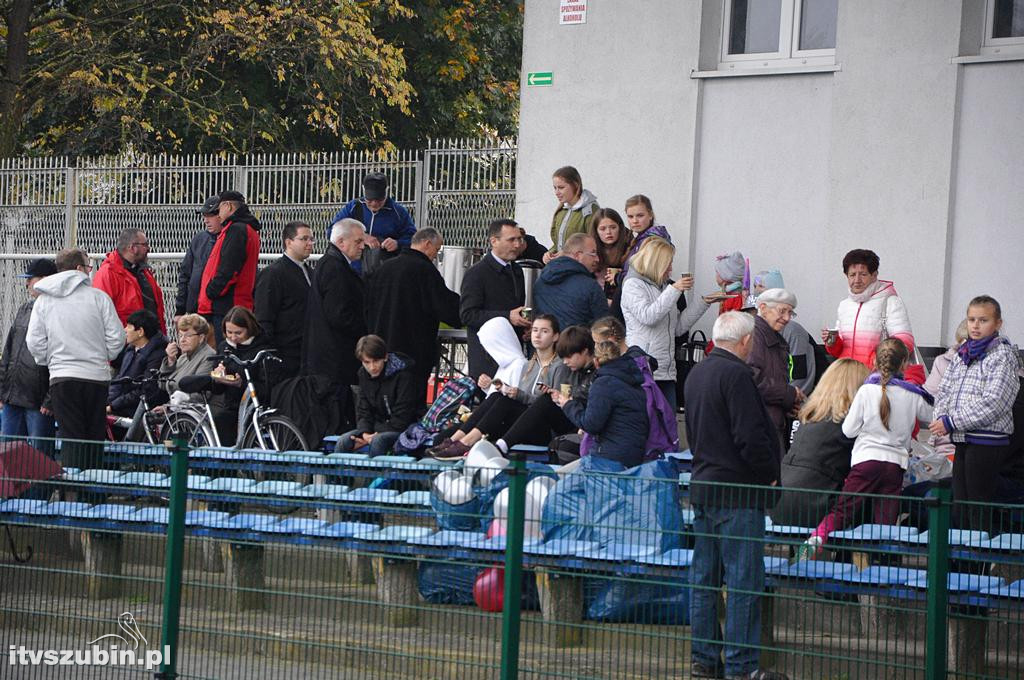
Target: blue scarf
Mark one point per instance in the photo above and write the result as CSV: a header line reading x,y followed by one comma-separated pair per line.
x,y
972,350
898,381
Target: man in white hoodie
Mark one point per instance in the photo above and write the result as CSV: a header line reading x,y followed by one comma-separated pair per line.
x,y
75,332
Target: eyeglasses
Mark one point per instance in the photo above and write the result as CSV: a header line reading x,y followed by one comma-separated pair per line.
x,y
305,238
143,244
182,336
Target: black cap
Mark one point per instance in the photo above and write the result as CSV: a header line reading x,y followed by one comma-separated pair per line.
x,y
41,267
375,186
210,206
232,196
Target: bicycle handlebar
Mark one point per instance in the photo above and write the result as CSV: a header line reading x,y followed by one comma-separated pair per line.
x,y
149,376
261,356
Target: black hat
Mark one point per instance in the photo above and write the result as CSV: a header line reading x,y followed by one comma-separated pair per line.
x,y
232,196
210,206
41,267
375,186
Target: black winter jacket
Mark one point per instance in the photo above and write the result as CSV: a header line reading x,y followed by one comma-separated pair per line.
x,y
335,320
279,302
488,291
23,383
391,401
123,398
731,436
190,274
819,458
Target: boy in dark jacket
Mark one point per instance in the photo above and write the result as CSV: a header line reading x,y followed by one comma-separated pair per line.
x,y
388,398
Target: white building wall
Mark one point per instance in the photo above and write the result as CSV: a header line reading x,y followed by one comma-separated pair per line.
x,y
900,151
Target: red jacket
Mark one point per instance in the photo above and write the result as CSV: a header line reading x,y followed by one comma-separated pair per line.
x,y
230,272
123,288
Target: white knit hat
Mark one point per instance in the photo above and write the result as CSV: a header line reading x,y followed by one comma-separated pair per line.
x,y
777,296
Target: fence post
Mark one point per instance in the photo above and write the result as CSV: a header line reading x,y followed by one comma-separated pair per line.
x,y
936,640
174,559
422,185
513,565
242,183
70,208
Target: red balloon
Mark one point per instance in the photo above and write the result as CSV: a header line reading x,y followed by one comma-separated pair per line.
x,y
489,589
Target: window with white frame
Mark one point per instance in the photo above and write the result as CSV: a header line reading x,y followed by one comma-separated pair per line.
x,y
774,33
1004,27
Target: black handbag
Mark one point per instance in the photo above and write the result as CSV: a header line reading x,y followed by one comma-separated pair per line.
x,y
564,448
689,353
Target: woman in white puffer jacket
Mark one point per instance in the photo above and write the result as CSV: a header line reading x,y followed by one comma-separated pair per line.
x,y
649,306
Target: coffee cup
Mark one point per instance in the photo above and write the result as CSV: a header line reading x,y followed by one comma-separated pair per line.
x,y
832,336
565,389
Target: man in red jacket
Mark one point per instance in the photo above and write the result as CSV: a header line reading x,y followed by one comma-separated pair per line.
x,y
127,278
230,272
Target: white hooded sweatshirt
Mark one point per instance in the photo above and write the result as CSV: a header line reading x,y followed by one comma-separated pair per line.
x,y
74,329
499,339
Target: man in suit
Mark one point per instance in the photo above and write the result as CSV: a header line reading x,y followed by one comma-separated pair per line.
x,y
407,300
493,287
281,296
335,316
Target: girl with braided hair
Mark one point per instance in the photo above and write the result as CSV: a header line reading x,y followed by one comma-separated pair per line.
x,y
882,417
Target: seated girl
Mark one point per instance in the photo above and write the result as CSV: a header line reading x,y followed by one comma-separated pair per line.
x,y
819,456
243,338
615,413
504,405
388,398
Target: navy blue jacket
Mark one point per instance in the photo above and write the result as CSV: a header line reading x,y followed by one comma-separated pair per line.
x,y
391,221
571,293
132,363
615,413
731,436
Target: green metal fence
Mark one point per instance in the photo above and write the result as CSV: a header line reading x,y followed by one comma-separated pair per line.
x,y
241,564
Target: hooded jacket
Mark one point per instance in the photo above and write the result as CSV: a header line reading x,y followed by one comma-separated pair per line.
x,y
23,383
864,318
391,221
653,320
568,291
499,340
74,330
634,248
390,402
615,414
572,219
114,279
230,272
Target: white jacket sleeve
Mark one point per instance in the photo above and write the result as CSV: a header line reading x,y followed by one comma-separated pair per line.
x,y
639,305
112,328
854,421
691,315
897,321
35,337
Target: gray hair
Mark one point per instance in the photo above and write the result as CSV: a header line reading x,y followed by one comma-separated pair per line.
x,y
732,327
427,234
576,243
126,238
342,229
777,296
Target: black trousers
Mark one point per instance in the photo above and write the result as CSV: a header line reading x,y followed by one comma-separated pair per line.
x,y
980,475
80,409
494,416
541,421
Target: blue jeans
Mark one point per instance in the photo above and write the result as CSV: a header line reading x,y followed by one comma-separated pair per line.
x,y
29,422
380,445
727,541
668,388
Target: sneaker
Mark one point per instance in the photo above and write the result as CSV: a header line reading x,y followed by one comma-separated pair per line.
x,y
438,448
809,550
759,674
700,670
456,451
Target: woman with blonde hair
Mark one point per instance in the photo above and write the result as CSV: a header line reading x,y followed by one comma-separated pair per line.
x,y
575,206
649,308
819,456
189,354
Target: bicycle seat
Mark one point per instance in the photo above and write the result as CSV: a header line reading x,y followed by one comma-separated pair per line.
x,y
195,383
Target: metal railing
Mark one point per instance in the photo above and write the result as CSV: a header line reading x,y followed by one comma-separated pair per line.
x,y
346,566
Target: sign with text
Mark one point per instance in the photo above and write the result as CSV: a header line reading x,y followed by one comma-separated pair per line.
x,y
540,78
572,12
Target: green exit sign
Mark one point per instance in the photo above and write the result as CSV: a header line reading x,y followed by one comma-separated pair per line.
x,y
536,78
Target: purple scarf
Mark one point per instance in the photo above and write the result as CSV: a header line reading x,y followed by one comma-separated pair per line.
x,y
898,381
972,350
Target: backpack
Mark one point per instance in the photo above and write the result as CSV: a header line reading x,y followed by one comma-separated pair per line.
x,y
442,414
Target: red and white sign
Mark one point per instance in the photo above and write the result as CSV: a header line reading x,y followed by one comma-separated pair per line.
x,y
572,12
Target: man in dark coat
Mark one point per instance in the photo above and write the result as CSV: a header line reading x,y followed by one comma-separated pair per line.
x,y
24,384
406,301
281,296
335,316
190,273
567,288
769,358
493,287
733,442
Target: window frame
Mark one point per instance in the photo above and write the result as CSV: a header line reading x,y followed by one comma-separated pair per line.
x,y
990,45
789,52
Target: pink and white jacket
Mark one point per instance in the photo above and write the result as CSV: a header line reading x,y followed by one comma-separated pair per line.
x,y
861,318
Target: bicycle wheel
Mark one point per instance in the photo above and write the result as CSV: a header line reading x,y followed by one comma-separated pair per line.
x,y
185,425
279,433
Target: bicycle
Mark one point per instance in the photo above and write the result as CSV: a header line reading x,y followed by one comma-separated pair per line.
x,y
153,426
259,427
